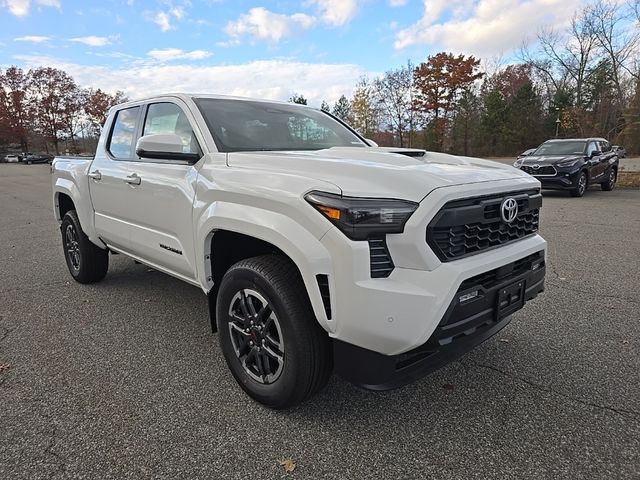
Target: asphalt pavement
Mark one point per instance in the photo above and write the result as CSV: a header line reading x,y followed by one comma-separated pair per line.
x,y
123,379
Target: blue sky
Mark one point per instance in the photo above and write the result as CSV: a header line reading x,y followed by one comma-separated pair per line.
x,y
269,49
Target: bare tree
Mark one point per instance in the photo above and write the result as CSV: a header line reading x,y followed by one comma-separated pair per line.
x,y
394,94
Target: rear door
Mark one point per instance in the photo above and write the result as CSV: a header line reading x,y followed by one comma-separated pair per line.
x,y
109,192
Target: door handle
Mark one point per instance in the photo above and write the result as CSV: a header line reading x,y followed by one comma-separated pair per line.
x,y
95,175
133,179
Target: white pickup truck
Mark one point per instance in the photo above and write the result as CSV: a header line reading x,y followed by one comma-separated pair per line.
x,y
318,250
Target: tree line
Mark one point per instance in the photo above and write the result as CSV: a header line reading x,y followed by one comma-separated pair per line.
x,y
583,81
45,110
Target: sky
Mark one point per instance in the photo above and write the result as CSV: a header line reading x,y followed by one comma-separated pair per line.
x,y
317,48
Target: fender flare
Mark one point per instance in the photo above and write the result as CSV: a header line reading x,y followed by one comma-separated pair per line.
x,y
301,246
85,212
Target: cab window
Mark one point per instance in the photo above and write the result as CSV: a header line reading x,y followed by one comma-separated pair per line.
x,y
168,118
123,133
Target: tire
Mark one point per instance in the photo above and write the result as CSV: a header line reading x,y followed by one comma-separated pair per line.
x,y
284,357
29,162
87,262
611,181
581,185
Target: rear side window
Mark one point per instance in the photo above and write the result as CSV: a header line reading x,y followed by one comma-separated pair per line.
x,y
123,133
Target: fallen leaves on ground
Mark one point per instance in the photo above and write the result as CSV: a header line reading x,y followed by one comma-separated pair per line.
x,y
288,465
448,386
4,366
503,340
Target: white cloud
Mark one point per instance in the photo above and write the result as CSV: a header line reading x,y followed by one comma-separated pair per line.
x,y
163,20
168,54
94,41
336,12
20,8
272,79
397,3
483,27
32,39
261,24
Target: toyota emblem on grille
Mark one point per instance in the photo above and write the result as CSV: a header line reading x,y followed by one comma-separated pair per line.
x,y
509,209
535,167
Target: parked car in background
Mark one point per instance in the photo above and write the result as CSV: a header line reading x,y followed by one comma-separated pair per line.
x,y
12,159
620,151
572,164
31,158
526,153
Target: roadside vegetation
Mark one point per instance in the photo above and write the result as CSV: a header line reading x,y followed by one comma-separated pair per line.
x,y
584,81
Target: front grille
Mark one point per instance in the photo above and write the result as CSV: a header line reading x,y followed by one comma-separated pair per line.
x,y
380,259
543,170
466,227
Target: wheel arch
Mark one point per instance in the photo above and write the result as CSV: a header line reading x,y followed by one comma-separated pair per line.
x,y
226,240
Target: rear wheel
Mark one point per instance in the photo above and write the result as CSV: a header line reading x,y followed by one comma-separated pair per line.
x,y
610,182
581,185
271,340
87,262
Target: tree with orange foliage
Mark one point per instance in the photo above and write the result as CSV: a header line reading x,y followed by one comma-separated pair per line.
x,y
438,83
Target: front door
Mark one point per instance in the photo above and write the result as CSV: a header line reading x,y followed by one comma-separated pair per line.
x,y
593,160
162,220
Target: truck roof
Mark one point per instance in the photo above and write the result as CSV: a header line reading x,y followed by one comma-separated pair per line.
x,y
188,96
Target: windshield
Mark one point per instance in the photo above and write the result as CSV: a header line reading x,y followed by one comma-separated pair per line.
x,y
241,125
562,148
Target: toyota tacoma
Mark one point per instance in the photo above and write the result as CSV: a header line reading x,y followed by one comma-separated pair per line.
x,y
318,250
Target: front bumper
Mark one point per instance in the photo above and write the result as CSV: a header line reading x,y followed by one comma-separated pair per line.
x,y
466,323
564,179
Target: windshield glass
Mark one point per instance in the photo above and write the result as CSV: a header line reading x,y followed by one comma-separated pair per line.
x,y
241,125
562,148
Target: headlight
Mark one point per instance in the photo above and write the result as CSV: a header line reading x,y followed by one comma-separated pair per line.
x,y
518,163
361,218
568,163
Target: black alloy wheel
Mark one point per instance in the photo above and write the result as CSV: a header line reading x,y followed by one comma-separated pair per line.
x,y
272,343
256,336
581,185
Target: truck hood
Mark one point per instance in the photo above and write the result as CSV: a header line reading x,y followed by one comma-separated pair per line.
x,y
376,172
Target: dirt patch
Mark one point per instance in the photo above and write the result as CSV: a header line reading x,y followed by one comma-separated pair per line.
x,y
629,179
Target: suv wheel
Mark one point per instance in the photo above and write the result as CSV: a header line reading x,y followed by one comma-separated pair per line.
x,y
611,181
581,186
87,262
272,343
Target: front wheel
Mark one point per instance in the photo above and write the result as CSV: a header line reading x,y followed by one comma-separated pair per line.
x,y
611,181
270,338
87,262
581,186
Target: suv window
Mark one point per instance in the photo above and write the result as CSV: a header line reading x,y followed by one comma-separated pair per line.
x,y
164,118
604,146
123,133
592,147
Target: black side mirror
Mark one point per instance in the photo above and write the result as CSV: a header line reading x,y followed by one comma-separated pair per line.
x,y
595,153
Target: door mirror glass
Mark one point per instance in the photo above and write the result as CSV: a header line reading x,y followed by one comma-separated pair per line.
x,y
164,146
